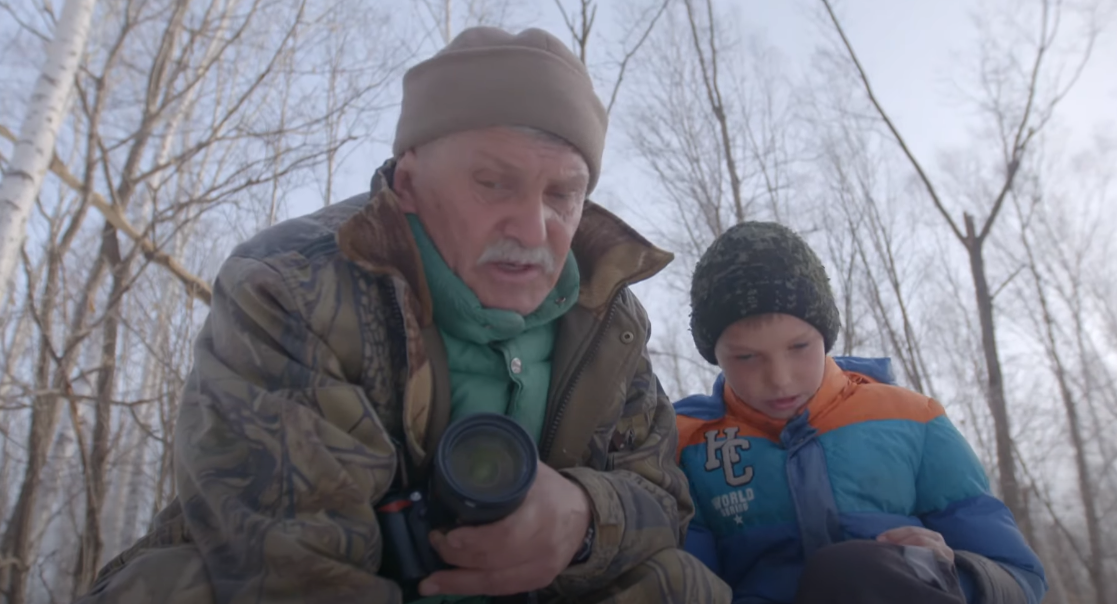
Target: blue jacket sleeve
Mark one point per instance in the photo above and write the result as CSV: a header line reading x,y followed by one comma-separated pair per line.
x,y
701,541
953,499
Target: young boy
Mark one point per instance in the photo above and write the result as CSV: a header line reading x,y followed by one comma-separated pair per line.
x,y
818,484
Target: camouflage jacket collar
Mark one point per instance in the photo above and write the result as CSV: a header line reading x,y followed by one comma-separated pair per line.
x,y
610,253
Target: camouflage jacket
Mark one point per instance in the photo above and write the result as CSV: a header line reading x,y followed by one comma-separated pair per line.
x,y
319,359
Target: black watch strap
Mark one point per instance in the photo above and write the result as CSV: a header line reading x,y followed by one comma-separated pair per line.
x,y
587,546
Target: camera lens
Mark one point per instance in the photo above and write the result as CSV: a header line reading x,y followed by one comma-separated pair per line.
x,y
484,466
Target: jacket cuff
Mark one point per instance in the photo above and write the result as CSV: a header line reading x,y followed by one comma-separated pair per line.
x,y
608,523
991,582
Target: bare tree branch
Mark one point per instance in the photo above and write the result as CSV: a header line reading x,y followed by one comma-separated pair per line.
x,y
891,127
196,287
713,93
629,54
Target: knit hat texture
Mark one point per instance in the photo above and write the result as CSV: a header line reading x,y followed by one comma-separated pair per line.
x,y
756,268
488,77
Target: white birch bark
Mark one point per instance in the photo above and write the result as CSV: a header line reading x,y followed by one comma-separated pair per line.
x,y
35,147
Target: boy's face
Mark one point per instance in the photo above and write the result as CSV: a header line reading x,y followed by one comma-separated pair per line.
x,y
774,362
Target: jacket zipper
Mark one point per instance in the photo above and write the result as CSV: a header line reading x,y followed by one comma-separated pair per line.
x,y
552,429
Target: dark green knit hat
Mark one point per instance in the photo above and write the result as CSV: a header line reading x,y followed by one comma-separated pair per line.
x,y
756,268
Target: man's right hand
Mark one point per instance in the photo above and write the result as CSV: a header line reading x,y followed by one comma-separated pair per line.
x,y
520,553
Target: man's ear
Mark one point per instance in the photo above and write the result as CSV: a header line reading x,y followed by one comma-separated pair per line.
x,y
403,181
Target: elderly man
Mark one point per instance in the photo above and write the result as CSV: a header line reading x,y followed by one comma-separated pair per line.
x,y
474,277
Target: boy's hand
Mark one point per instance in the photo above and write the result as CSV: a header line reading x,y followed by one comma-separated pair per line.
x,y
919,536
520,553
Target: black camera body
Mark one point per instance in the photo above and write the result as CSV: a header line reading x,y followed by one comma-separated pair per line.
x,y
406,521
482,469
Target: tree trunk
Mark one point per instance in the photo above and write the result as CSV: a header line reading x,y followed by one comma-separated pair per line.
x,y
128,488
995,388
16,547
131,491
18,542
92,541
1095,567
35,148
18,538
21,336
5,475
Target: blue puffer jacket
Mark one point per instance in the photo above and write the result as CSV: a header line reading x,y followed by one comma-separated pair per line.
x,y
864,457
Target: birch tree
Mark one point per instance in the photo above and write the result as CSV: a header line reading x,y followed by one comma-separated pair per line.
x,y
46,107
172,144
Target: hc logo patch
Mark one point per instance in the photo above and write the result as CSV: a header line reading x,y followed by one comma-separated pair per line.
x,y
730,448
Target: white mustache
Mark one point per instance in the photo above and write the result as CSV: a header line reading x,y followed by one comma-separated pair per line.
x,y
511,252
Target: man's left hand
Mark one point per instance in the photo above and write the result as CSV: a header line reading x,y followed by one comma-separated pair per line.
x,y
919,536
520,553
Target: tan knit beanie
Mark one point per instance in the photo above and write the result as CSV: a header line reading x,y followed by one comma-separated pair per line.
x,y
487,77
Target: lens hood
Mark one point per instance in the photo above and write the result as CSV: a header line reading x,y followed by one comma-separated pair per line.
x,y
483,468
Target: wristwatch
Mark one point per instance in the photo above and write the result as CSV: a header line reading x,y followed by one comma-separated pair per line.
x,y
587,546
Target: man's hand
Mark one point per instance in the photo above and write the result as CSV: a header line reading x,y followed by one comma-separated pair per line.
x,y
917,535
521,553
